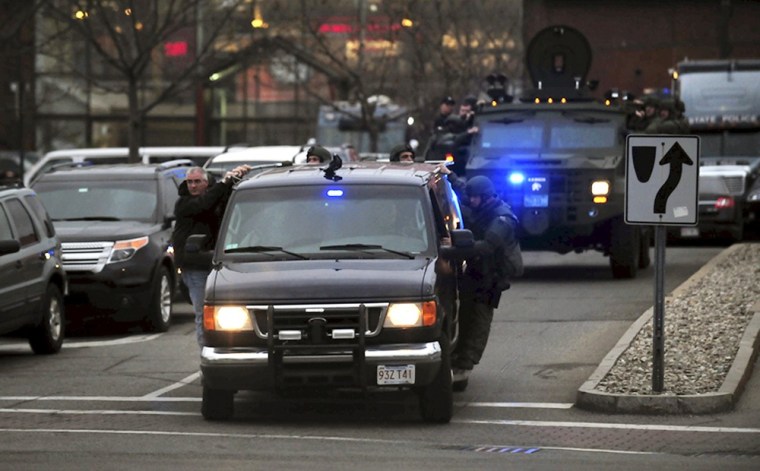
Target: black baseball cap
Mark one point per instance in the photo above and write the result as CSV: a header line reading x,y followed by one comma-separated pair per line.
x,y
449,100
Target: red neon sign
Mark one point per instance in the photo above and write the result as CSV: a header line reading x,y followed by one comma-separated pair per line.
x,y
175,48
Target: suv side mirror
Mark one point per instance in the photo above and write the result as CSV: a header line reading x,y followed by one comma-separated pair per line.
x,y
462,238
9,246
462,244
194,243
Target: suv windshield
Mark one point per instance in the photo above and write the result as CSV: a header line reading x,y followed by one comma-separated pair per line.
x,y
550,131
341,221
133,200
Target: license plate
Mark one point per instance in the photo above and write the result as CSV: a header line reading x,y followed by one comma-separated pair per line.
x,y
395,374
689,232
536,201
536,192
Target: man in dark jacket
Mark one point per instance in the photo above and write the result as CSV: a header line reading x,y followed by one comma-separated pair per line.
x,y
493,225
199,210
445,109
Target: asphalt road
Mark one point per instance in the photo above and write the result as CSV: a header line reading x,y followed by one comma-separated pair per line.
x,y
127,400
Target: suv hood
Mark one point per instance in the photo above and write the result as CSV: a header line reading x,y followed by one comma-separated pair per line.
x,y
324,280
85,231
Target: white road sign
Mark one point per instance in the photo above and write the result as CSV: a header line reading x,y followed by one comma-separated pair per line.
x,y
662,179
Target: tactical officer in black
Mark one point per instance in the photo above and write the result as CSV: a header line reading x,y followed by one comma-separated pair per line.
x,y
493,225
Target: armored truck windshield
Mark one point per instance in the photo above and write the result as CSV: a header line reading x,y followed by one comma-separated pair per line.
x,y
549,131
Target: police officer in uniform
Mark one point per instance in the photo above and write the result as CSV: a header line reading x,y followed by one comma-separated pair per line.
x,y
445,109
317,155
668,121
493,225
402,153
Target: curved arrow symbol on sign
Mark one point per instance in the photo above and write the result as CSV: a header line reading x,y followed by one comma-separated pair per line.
x,y
676,157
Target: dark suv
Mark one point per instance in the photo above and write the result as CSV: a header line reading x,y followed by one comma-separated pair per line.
x,y
335,281
115,224
32,282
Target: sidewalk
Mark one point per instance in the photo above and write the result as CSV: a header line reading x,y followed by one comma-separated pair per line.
x,y
589,398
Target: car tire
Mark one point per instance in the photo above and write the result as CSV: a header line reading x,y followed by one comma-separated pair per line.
x,y
218,404
160,308
437,398
737,233
624,249
47,336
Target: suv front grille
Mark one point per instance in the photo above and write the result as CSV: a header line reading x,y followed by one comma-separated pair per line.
x,y
85,256
336,316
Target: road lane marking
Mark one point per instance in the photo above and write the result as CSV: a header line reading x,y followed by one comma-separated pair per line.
x,y
518,405
96,412
264,436
602,425
157,396
24,346
101,398
172,387
108,343
514,423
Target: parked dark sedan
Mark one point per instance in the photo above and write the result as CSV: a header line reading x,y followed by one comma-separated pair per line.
x,y
720,212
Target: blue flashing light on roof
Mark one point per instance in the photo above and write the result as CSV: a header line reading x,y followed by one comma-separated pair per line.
x,y
516,178
334,193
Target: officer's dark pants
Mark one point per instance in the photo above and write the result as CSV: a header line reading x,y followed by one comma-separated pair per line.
x,y
474,327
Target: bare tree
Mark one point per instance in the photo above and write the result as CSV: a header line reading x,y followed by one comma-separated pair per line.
x,y
131,39
415,52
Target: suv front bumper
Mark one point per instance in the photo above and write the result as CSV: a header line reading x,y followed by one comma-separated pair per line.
x,y
250,368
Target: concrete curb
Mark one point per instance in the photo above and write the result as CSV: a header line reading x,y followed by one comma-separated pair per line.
x,y
589,398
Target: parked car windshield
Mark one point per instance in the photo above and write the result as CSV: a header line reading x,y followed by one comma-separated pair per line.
x,y
338,221
133,200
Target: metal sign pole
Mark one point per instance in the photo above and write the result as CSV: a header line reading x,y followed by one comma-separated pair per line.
x,y
658,333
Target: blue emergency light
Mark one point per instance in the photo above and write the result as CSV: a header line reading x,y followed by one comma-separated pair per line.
x,y
335,193
516,178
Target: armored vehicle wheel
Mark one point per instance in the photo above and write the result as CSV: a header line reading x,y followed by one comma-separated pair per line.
x,y
160,309
47,336
437,398
218,404
624,249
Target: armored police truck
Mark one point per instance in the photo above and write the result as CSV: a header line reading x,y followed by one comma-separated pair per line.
x,y
557,157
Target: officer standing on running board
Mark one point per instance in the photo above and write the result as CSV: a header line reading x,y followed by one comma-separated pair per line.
x,y
493,225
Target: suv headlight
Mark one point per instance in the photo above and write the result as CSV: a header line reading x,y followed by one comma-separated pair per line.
x,y
226,318
124,249
402,315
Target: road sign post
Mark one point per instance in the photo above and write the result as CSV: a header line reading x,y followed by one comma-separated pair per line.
x,y
661,189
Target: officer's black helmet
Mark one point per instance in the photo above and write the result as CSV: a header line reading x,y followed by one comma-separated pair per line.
x,y
480,186
395,155
320,152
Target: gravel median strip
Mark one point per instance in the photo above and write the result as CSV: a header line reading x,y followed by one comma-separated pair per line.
x,y
705,321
